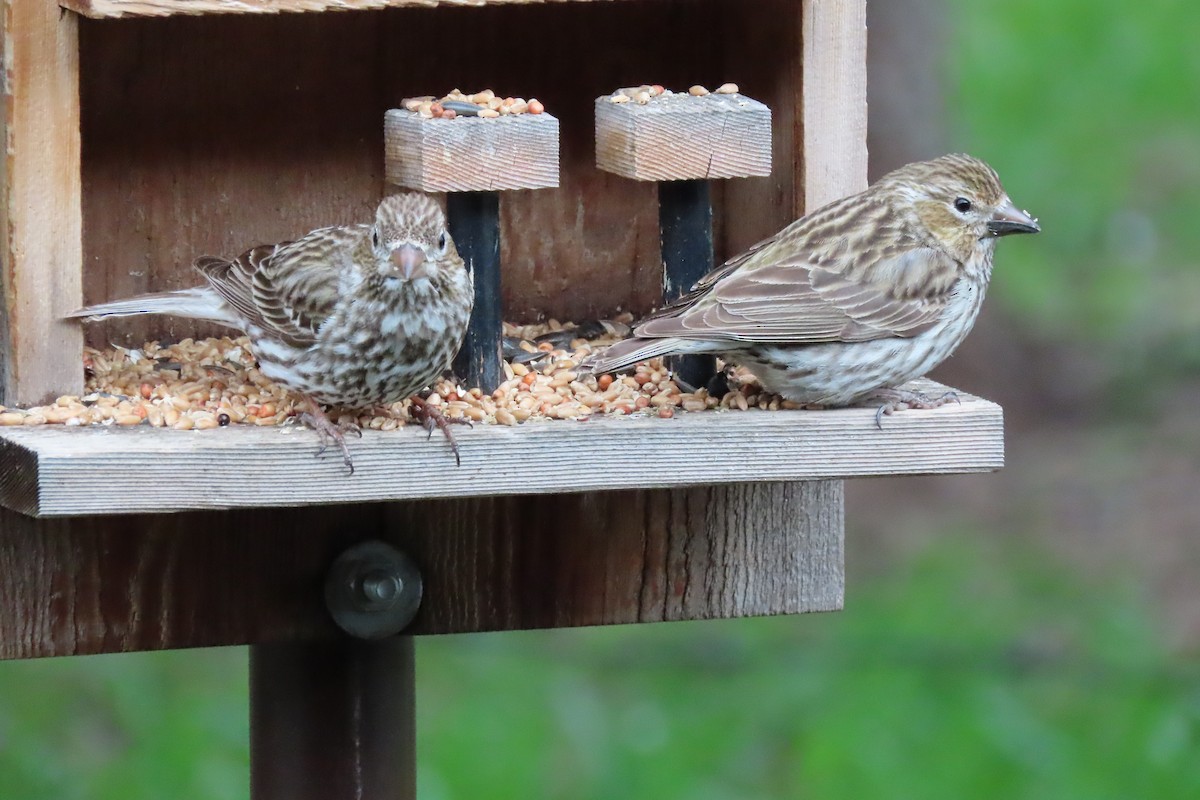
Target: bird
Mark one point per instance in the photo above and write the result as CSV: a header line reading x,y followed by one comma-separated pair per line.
x,y
852,300
352,316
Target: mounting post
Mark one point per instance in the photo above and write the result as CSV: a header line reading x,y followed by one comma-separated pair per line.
x,y
685,225
474,221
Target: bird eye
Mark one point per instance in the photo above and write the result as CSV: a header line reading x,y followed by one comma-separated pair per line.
x,y
375,237
442,241
962,205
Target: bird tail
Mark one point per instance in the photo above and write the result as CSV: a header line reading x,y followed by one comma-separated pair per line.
x,y
630,351
198,303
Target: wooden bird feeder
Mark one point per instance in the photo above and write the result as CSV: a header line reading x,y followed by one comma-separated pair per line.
x,y
137,144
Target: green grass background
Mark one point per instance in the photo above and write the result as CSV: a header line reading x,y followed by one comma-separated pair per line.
x,y
982,663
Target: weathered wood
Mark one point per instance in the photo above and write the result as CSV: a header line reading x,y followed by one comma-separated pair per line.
x,y
40,217
75,469
470,154
834,99
333,720
681,137
474,222
749,210
120,584
201,138
162,8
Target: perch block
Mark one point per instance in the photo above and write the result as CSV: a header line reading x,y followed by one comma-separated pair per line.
x,y
681,137
470,154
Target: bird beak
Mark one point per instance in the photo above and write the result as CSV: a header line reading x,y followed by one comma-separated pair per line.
x,y
1009,219
410,259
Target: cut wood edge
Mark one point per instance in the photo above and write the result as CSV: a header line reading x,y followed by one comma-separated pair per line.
x,y
681,137
107,9
109,470
471,154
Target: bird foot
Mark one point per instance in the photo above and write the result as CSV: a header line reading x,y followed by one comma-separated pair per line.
x,y
431,419
330,432
900,399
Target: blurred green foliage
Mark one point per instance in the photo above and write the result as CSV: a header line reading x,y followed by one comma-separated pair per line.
x,y
971,671
1090,111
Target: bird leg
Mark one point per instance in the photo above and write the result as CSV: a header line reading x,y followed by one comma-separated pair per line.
x,y
899,399
432,418
329,431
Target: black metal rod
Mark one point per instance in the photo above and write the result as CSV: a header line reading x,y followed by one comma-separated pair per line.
x,y
333,720
685,224
474,221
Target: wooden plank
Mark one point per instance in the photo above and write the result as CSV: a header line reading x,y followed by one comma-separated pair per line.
x,y
834,118
470,154
249,466
200,132
120,584
162,8
40,218
747,211
680,137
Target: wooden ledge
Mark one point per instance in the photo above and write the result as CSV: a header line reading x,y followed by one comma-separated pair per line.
x,y
101,9
54,471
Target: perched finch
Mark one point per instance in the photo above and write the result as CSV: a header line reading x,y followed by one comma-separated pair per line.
x,y
852,300
351,316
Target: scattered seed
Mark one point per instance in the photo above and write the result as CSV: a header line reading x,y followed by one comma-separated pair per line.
x,y
727,88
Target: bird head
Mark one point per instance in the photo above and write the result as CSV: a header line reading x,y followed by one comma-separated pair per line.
x,y
408,239
960,201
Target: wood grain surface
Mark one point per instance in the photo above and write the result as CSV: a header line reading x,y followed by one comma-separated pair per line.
x,y
40,254
834,99
220,578
162,8
470,154
252,466
208,135
681,137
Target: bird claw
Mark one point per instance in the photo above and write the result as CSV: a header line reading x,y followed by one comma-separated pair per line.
x,y
431,419
901,399
328,431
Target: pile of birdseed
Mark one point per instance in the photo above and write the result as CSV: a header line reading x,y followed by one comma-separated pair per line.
x,y
210,383
647,92
485,104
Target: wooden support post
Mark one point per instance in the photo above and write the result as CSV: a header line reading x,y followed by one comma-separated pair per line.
x,y
333,720
41,355
685,224
474,220
472,159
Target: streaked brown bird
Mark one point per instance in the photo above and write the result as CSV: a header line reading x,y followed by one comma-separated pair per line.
x,y
854,299
351,316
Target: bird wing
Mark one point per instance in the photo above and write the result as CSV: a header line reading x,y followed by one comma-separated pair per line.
x,y
807,284
287,289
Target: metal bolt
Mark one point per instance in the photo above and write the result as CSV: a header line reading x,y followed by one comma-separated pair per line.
x,y
373,590
379,590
